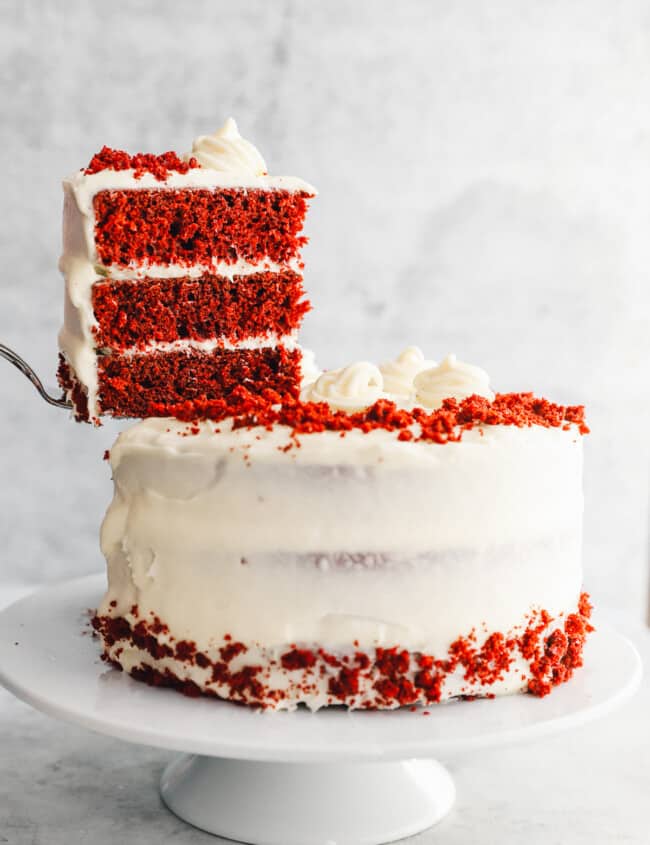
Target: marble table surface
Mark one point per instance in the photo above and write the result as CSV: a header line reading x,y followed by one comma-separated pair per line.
x,y
61,785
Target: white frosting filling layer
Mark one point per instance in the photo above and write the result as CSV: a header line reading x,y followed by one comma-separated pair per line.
x,y
195,271
361,537
268,341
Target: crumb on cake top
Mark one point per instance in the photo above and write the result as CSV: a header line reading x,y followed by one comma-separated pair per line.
x,y
443,425
224,151
159,166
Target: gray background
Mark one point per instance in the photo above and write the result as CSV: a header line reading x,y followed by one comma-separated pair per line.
x,y
484,189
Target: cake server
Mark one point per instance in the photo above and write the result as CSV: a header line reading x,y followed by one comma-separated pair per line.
x,y
15,359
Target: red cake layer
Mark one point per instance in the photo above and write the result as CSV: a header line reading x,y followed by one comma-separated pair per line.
x,y
169,226
139,312
386,676
130,385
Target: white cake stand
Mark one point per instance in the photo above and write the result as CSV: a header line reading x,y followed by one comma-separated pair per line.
x,y
286,778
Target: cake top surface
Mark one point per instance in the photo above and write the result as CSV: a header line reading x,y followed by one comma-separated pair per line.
x,y
281,442
221,160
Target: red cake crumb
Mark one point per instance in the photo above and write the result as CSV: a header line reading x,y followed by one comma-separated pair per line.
x,y
585,607
444,425
159,166
185,650
231,651
556,657
150,384
397,676
345,684
178,226
329,659
138,313
298,658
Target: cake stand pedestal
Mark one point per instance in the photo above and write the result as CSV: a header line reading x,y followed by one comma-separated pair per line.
x,y
330,778
308,803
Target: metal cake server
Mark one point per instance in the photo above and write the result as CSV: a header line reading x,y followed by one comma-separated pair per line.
x,y
15,359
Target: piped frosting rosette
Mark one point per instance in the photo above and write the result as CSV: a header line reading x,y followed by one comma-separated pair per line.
x,y
228,152
408,381
452,379
348,389
399,374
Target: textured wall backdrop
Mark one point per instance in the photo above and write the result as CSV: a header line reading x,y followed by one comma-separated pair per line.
x,y
485,189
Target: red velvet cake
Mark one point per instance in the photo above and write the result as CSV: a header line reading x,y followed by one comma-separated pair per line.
x,y
399,536
183,278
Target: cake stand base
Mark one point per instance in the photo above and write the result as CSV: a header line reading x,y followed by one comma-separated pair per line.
x,y
307,803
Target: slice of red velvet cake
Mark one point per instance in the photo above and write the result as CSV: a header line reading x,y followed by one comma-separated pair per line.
x,y
183,278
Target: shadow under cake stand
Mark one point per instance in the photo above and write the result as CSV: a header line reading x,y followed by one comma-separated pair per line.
x,y
329,778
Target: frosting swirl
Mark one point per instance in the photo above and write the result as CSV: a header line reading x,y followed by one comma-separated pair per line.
x,y
451,379
399,374
349,389
227,151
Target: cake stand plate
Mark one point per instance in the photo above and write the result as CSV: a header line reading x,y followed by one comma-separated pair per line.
x,y
328,778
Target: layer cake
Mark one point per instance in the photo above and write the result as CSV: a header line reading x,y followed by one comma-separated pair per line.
x,y
398,536
183,278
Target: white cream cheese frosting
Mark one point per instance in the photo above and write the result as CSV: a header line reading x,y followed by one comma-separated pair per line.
x,y
336,540
409,381
400,373
350,388
452,379
227,151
